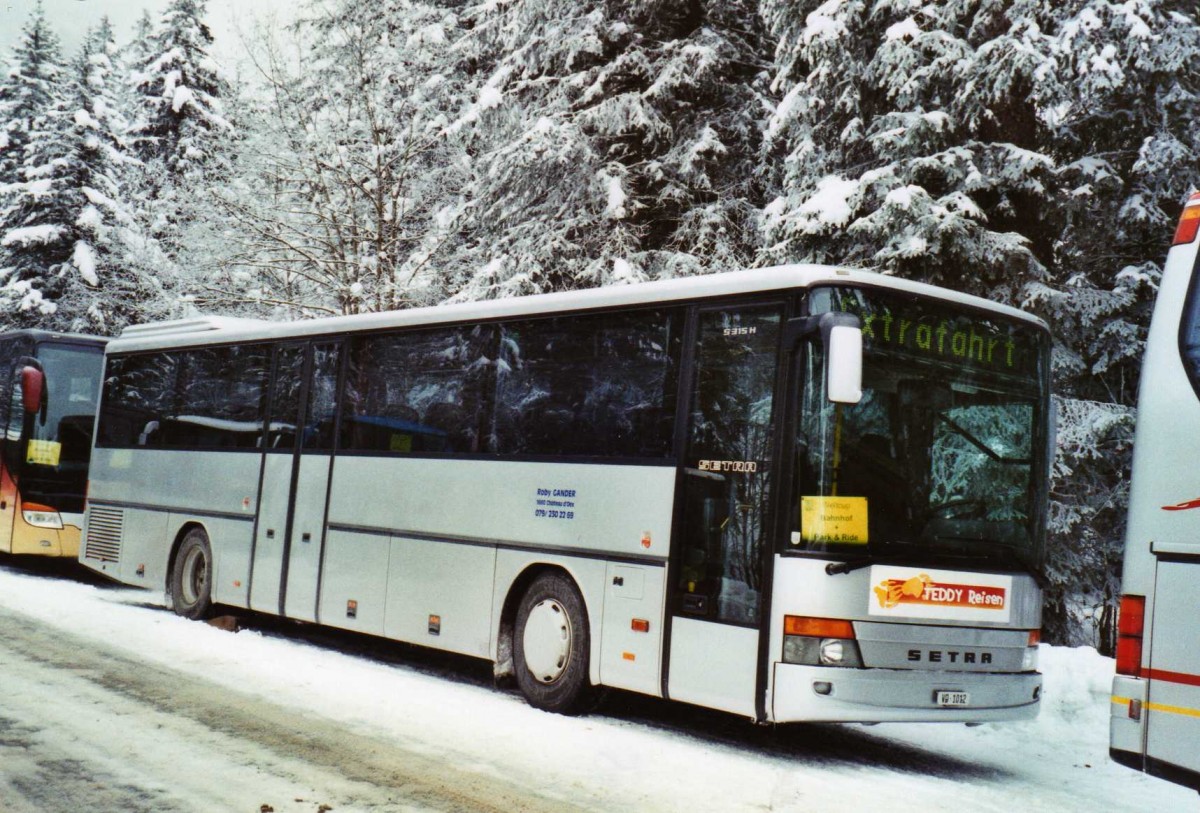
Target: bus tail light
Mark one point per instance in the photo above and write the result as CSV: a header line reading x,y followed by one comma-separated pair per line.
x,y
820,642
41,516
1189,221
1131,620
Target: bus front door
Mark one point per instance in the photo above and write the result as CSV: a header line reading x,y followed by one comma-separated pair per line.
x,y
297,463
717,584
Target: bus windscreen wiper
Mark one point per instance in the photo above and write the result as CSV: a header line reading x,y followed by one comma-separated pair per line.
x,y
970,437
850,565
1005,554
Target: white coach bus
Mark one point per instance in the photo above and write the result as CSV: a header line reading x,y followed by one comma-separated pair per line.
x,y
1155,722
798,493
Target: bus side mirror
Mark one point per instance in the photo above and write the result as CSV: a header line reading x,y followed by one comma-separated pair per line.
x,y
843,364
841,333
33,388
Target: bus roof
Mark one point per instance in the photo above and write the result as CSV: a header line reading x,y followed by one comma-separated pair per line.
x,y
222,330
54,336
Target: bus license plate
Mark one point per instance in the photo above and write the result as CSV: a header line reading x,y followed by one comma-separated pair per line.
x,y
952,699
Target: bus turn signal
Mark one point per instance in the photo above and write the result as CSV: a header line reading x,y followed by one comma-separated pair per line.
x,y
1189,221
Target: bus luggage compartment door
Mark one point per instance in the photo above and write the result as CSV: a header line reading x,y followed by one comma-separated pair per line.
x,y
1173,707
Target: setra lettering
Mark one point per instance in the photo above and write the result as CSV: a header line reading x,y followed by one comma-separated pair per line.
x,y
951,655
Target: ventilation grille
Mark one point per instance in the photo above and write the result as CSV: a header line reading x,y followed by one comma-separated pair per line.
x,y
104,528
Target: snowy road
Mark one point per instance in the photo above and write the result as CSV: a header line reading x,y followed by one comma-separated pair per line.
x,y
83,727
109,702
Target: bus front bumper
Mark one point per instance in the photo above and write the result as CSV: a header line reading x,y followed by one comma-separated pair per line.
x,y
38,541
823,694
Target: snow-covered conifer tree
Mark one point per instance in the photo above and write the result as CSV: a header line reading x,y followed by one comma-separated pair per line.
x,y
910,137
179,131
131,58
27,89
610,142
29,97
66,228
1126,137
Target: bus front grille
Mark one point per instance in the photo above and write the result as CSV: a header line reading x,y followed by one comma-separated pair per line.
x,y
104,528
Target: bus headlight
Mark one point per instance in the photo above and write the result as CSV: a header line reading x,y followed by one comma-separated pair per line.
x,y
820,642
1029,661
41,517
833,652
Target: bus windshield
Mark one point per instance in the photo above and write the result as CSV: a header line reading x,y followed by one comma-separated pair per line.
x,y
943,456
54,469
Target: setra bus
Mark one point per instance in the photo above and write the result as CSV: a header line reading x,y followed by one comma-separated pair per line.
x,y
1155,719
797,493
49,387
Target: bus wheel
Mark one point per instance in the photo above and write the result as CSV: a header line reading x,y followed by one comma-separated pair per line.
x,y
551,646
191,577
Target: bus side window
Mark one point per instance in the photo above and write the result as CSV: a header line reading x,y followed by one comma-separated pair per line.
x,y
139,394
595,386
318,432
417,391
284,402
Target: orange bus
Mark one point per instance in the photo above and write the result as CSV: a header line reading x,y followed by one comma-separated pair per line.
x,y
49,384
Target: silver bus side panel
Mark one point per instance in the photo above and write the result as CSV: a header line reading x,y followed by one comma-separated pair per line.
x,y
1173,697
440,594
354,585
629,657
695,647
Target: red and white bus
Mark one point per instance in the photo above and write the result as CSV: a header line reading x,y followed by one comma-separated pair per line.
x,y
1155,722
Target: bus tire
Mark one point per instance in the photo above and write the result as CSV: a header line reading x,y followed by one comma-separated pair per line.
x,y
552,646
191,577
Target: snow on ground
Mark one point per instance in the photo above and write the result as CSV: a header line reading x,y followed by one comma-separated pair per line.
x,y
673,760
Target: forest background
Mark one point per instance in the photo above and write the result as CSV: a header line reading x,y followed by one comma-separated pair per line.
x,y
383,154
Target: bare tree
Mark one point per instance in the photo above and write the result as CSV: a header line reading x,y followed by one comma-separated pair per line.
x,y
351,164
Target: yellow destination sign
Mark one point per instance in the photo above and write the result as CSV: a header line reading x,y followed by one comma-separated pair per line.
x,y
834,520
43,452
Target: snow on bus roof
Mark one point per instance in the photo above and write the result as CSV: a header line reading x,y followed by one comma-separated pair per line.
x,y
197,324
223,330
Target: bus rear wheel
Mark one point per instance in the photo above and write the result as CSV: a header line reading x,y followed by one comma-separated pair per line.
x,y
552,646
191,577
